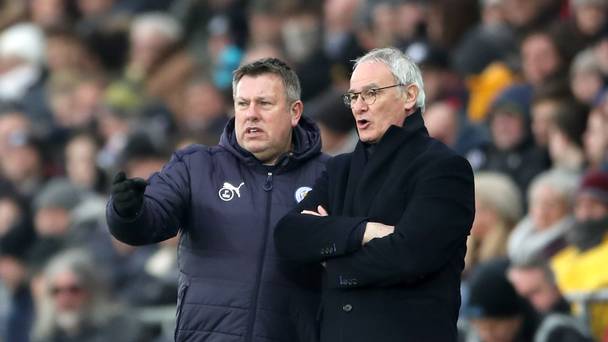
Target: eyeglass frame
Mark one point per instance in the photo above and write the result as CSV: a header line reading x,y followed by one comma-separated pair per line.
x,y
346,98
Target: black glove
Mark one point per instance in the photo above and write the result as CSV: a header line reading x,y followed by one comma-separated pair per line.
x,y
128,194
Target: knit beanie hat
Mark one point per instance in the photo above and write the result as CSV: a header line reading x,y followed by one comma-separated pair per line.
x,y
491,294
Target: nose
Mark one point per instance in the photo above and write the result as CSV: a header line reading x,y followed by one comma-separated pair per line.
x,y
251,113
359,105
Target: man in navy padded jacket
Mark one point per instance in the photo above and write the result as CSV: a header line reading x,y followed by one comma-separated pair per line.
x,y
223,202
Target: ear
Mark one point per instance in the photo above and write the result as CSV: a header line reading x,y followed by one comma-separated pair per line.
x,y
411,95
296,112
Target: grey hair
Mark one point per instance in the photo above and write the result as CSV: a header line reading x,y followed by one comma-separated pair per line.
x,y
563,182
585,61
499,192
534,263
81,264
274,66
402,67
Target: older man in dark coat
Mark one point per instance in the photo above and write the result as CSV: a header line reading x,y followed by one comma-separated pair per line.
x,y
390,220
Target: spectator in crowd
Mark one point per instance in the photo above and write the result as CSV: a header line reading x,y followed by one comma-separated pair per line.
x,y
81,165
205,111
16,237
595,139
446,123
74,305
490,41
23,163
541,233
586,78
498,207
579,267
566,138
587,23
22,57
512,150
546,102
534,281
496,313
335,121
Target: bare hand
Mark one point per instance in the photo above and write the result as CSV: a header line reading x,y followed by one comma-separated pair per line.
x,y
375,230
320,212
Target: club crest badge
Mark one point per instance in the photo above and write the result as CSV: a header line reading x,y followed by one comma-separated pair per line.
x,y
301,192
228,191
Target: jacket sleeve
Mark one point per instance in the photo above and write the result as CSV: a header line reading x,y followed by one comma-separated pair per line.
x,y
166,201
432,231
309,238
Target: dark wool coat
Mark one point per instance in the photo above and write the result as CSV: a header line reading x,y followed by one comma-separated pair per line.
x,y
405,286
224,203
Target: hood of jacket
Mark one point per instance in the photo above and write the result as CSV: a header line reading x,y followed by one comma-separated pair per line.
x,y
306,139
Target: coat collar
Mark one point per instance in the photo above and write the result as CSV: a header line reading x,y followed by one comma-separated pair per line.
x,y
363,177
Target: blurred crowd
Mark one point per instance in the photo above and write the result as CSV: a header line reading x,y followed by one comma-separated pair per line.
x,y
90,87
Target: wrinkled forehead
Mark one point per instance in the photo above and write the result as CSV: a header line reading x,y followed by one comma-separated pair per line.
x,y
370,74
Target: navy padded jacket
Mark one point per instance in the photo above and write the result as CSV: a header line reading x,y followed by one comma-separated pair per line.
x,y
224,203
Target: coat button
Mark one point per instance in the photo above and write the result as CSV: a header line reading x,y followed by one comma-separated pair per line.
x,y
347,308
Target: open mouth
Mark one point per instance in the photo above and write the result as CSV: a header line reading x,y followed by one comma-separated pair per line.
x,y
253,130
362,123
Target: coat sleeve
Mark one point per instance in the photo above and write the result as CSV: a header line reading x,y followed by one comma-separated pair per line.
x,y
166,200
309,238
432,231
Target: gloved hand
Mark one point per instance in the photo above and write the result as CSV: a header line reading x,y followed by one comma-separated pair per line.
x,y
128,194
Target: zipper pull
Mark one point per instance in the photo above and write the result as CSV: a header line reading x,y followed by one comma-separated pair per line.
x,y
268,183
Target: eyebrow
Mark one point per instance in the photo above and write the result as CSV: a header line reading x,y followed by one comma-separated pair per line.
x,y
367,87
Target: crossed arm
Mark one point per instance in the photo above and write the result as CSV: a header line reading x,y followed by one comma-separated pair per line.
x,y
430,233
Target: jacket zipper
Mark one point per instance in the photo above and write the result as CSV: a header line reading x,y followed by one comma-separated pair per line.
x,y
256,289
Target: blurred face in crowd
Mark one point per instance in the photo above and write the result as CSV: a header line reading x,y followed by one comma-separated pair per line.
x,y
66,52
69,297
441,120
540,58
47,13
595,138
21,162
10,124
497,329
532,284
147,47
81,153
542,116
507,129
547,206
51,221
12,272
586,84
590,18
390,106
264,118
265,28
92,8
520,13
589,207
203,103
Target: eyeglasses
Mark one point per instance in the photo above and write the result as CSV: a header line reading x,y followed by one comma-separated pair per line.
x,y
368,96
69,289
